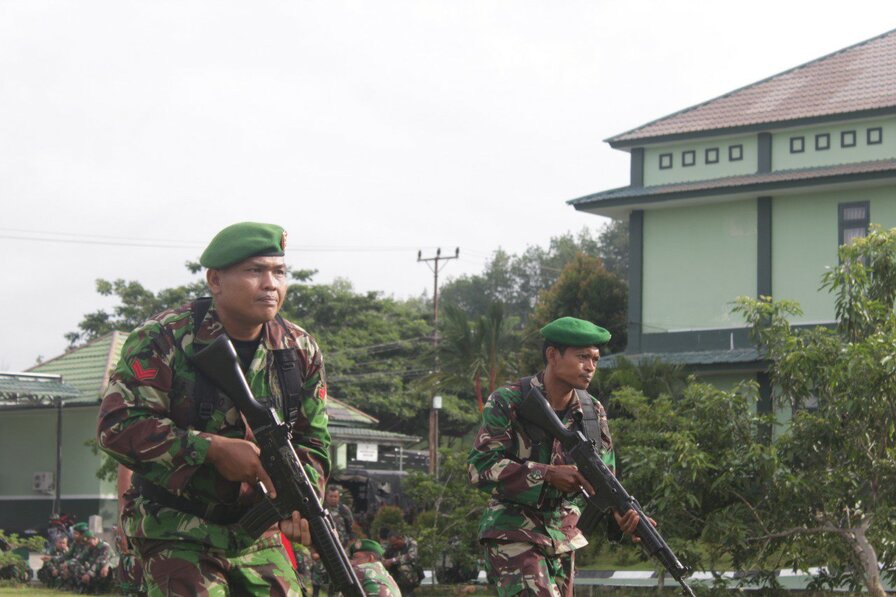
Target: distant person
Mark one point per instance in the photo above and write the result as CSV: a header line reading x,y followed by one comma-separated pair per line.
x,y
366,555
344,522
92,570
196,466
52,561
402,560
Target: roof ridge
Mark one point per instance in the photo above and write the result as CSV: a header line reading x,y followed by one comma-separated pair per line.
x,y
749,85
74,349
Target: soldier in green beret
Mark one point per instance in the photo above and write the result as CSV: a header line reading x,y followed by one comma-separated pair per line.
x,y
196,467
528,530
367,556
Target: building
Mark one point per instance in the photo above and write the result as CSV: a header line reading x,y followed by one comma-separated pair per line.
x,y
51,411
750,194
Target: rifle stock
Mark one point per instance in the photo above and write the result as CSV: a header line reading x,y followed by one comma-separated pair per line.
x,y
609,492
295,492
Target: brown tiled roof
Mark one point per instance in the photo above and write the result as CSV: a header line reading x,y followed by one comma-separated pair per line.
x,y
737,184
860,78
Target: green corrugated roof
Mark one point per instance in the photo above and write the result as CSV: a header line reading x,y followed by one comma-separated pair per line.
x,y
87,367
360,434
702,357
23,389
341,413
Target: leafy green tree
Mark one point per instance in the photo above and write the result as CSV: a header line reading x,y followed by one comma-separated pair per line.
x,y
835,495
613,247
447,527
471,352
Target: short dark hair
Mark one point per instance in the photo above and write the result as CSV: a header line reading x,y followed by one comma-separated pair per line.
x,y
547,344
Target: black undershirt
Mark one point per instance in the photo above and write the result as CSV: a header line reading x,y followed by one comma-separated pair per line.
x,y
245,350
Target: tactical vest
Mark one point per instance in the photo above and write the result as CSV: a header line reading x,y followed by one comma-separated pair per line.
x,y
589,421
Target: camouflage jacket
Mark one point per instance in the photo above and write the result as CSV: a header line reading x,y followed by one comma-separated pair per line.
x,y
95,557
406,570
506,464
74,551
344,521
376,580
148,413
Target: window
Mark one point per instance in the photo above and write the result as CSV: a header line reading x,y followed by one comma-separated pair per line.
x,y
822,141
854,219
848,139
688,158
875,136
797,144
735,153
712,155
665,161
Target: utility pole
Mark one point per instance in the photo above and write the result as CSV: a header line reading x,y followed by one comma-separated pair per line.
x,y
436,402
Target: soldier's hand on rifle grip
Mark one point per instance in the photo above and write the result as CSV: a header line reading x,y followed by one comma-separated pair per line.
x,y
567,478
297,529
628,522
239,460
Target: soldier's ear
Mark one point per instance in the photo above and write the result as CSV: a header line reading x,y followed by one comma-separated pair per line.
x,y
213,280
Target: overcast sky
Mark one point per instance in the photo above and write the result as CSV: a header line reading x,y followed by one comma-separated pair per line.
x,y
131,132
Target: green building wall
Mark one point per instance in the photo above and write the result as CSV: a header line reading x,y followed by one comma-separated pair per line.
x,y
701,170
805,243
697,260
784,159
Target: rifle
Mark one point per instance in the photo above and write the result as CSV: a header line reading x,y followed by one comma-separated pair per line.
x,y
218,361
608,491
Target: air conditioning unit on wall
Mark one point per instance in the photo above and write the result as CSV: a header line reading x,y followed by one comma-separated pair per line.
x,y
44,482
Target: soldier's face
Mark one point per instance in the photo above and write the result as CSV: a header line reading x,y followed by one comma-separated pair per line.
x,y
333,498
251,291
575,366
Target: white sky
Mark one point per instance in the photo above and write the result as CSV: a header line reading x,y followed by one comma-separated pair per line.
x,y
369,129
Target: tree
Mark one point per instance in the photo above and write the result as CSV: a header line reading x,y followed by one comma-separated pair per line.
x,y
585,290
472,351
835,495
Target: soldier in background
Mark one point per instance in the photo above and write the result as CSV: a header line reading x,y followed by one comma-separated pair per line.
x,y
92,570
528,530
402,560
64,575
344,522
366,555
52,561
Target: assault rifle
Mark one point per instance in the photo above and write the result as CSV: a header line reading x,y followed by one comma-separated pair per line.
x,y
608,491
295,492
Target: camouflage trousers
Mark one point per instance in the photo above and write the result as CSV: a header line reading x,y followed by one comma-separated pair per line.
x,y
524,569
187,568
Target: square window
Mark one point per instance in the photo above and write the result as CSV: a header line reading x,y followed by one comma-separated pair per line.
x,y
875,136
822,141
735,153
665,161
712,155
797,144
688,158
848,139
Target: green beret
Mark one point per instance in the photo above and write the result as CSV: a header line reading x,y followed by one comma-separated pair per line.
x,y
80,527
367,545
570,331
88,534
241,241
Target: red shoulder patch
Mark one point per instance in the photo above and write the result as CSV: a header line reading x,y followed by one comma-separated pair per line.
x,y
322,392
143,374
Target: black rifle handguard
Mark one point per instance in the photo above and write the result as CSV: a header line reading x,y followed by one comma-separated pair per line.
x,y
218,361
609,492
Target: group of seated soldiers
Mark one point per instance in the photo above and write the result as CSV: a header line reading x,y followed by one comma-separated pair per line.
x,y
84,566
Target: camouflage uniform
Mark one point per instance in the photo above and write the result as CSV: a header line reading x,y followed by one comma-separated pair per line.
x,y
146,422
407,571
129,574
376,580
529,528
54,564
343,520
91,562
70,563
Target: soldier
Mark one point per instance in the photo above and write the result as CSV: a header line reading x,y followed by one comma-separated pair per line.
x,y
196,468
52,560
92,568
366,557
402,561
528,529
64,574
344,521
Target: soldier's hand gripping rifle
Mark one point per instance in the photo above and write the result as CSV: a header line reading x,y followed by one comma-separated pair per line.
x,y
609,492
295,492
